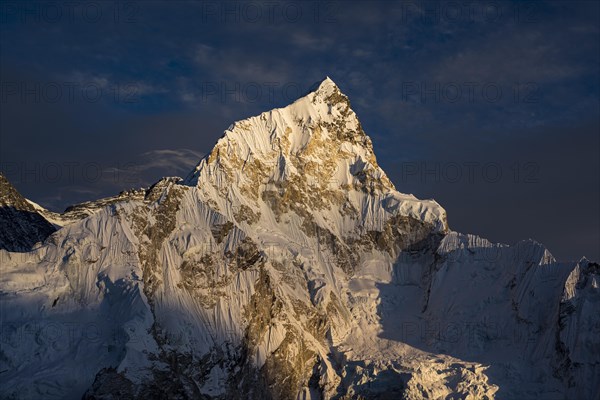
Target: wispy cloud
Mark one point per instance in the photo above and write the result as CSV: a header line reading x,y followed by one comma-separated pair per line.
x,y
148,167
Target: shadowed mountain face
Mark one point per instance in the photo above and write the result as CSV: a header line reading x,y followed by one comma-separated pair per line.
x,y
21,226
286,265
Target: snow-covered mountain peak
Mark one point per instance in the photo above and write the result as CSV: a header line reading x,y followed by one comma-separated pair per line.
x,y
286,266
324,88
310,158
322,115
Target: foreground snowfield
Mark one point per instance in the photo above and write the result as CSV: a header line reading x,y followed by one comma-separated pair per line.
x,y
286,265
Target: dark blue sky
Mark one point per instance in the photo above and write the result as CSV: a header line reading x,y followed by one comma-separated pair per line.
x,y
492,108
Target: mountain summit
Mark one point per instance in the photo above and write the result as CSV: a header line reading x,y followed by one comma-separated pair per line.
x,y
314,153
287,266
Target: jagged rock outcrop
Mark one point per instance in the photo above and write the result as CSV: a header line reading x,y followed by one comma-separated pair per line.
x,y
21,226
